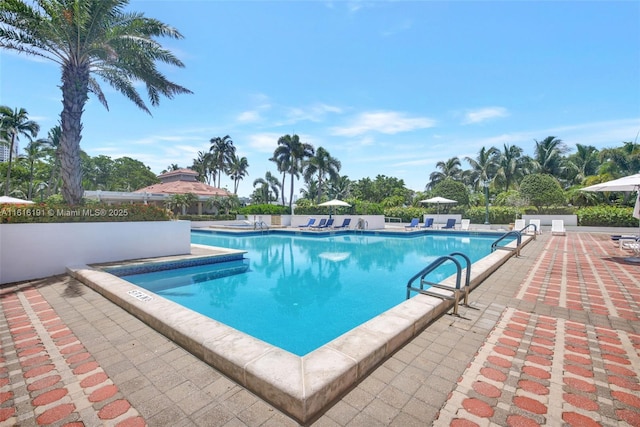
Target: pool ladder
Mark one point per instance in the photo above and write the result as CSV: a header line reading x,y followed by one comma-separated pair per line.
x,y
518,235
260,225
440,290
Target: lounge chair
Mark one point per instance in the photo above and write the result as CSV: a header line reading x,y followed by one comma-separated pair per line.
x,y
519,225
321,224
450,225
557,227
428,223
345,223
536,222
327,224
464,224
308,224
630,242
414,224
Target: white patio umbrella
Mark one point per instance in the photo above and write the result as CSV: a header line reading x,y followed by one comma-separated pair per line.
x,y
439,201
627,183
332,203
13,200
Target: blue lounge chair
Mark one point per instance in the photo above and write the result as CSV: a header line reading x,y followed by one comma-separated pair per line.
x,y
308,224
327,224
414,224
345,223
321,224
451,224
428,223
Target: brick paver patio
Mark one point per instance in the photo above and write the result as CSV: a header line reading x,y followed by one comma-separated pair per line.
x,y
552,338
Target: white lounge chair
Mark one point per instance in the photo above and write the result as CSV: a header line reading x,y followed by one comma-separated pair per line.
x,y
557,227
536,222
519,225
464,224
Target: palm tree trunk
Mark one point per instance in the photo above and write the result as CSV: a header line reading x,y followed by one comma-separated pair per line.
x,y
7,182
291,194
75,86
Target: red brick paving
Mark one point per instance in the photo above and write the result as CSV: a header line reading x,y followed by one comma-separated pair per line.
x,y
554,358
42,377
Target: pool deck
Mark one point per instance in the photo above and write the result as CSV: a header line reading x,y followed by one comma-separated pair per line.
x,y
553,337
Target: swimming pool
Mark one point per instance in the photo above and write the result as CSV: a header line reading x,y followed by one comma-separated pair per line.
x,y
298,292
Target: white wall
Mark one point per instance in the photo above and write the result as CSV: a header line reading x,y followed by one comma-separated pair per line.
x,y
571,220
32,251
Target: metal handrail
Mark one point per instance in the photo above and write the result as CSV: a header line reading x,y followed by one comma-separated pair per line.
x,y
467,279
518,235
430,268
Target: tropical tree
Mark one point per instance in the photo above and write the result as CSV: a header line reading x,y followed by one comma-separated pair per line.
x,y
484,167
238,169
268,188
583,163
548,156
448,169
181,202
510,166
222,152
32,153
322,165
311,189
201,165
541,190
51,148
290,155
340,188
13,124
620,161
88,39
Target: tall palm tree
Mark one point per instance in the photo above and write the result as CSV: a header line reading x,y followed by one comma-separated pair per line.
x,y
268,185
583,163
449,169
290,155
548,156
322,165
222,151
510,165
13,124
340,188
32,153
88,39
51,148
238,170
621,161
201,165
483,167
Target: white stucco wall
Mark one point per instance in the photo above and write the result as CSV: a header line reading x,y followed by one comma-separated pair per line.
x,y
31,251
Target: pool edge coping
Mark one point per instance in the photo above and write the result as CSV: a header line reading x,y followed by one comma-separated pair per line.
x,y
300,386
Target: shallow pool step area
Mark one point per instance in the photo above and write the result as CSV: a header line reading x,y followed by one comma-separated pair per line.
x,y
302,387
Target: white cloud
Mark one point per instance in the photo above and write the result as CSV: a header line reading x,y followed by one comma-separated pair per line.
x,y
313,113
249,117
263,142
387,122
483,114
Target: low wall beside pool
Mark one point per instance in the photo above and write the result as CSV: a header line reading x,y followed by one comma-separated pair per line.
x,y
33,251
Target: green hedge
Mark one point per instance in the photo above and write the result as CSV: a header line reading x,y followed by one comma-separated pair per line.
x,y
264,209
220,217
92,212
607,216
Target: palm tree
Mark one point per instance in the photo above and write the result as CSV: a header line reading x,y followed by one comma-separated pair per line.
x,y
52,149
483,167
222,151
32,153
268,185
621,161
322,165
583,163
290,156
238,170
201,165
510,165
13,124
449,169
548,156
90,38
340,188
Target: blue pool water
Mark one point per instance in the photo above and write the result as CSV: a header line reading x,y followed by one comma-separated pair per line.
x,y
300,292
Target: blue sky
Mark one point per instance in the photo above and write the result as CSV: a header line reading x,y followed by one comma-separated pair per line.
x,y
387,87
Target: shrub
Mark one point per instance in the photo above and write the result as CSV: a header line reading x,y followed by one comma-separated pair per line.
x,y
264,209
497,214
607,216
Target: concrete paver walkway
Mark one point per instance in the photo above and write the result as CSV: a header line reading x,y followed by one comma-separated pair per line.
x,y
551,338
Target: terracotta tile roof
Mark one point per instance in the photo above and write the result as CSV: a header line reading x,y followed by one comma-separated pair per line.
x,y
182,187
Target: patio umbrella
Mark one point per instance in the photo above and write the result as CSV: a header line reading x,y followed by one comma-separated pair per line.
x,y
332,203
627,183
439,201
7,199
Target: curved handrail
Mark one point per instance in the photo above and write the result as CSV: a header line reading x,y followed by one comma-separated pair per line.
x,y
518,235
431,267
